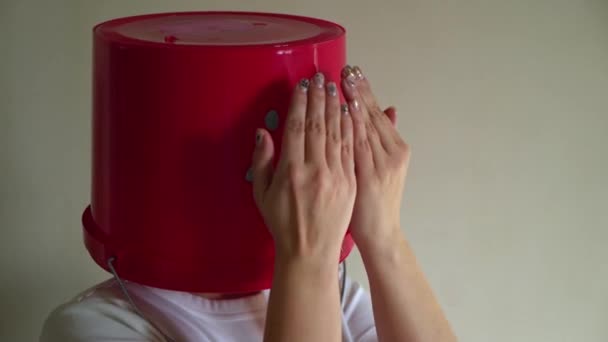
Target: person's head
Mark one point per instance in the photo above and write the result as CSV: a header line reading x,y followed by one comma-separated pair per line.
x,y
173,132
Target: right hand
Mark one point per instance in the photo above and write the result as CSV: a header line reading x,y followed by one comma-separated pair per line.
x,y
307,202
381,160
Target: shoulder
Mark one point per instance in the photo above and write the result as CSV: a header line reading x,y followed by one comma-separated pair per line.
x,y
98,314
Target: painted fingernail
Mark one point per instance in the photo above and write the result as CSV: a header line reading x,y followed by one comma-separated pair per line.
x,y
332,90
349,75
355,104
304,83
272,120
344,109
258,137
319,80
358,72
249,175
347,70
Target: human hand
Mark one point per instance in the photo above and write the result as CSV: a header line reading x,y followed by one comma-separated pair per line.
x,y
381,161
307,201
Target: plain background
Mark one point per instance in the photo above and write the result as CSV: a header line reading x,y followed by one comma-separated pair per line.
x,y
505,104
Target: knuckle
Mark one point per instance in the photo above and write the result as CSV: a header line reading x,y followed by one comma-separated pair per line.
x,y
356,118
362,144
333,136
359,126
375,111
318,93
321,178
346,148
314,126
293,172
295,125
370,128
316,97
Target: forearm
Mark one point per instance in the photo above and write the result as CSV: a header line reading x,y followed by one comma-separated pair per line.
x,y
304,303
405,308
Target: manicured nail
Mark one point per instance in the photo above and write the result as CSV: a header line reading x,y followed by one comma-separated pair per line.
x,y
332,90
344,109
249,175
258,137
319,80
355,104
349,75
347,70
358,72
304,83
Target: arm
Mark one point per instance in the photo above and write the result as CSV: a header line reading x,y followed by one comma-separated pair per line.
x,y
307,203
403,303
404,306
304,301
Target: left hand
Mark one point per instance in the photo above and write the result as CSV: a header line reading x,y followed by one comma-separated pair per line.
x,y
307,200
381,161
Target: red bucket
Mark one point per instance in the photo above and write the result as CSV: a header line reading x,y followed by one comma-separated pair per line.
x,y
177,98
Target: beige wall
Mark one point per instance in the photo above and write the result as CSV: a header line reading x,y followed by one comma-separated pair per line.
x,y
505,105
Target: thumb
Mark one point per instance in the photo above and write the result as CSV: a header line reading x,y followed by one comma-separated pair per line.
x,y
262,164
391,112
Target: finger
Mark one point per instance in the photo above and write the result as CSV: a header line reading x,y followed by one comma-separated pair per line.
x,y
363,126
365,89
347,153
391,113
293,136
381,122
262,164
362,152
315,121
332,124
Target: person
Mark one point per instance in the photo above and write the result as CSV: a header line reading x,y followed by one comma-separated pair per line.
x,y
339,165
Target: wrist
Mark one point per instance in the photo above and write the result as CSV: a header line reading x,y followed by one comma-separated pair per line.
x,y
386,246
383,256
318,266
377,236
300,250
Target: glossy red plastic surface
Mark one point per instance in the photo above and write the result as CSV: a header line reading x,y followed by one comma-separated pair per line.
x,y
177,98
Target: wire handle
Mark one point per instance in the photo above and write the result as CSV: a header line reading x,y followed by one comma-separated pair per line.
x,y
123,287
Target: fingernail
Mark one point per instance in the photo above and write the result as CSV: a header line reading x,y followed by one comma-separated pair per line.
x,y
272,120
348,75
332,90
249,175
347,70
344,109
358,72
355,104
318,80
304,83
258,137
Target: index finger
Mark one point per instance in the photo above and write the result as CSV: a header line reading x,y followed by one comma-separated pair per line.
x,y
293,136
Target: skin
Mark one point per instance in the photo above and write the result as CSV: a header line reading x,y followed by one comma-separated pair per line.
x,y
405,308
337,168
307,203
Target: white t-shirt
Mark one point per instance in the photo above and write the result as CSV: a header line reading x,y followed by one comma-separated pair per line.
x,y
102,314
